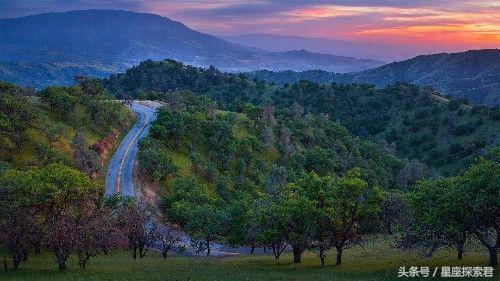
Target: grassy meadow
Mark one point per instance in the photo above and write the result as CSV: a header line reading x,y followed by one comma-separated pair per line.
x,y
375,261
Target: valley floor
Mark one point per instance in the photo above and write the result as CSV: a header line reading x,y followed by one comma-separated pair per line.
x,y
377,261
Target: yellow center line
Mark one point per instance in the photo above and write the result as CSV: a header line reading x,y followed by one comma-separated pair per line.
x,y
122,162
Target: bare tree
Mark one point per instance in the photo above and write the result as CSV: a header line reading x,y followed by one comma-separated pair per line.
x,y
297,110
168,237
412,172
285,142
60,236
140,230
394,210
267,136
276,181
86,159
15,234
278,247
268,115
95,233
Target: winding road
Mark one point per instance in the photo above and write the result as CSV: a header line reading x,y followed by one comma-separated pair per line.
x,y
121,167
120,176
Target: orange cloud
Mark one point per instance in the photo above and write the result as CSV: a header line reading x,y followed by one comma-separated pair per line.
x,y
467,35
480,24
332,11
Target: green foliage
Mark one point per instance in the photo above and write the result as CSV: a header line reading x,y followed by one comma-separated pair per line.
x,y
420,126
249,190
186,192
341,203
36,130
17,114
156,163
170,75
60,100
447,135
243,162
448,209
53,186
319,160
464,202
85,104
55,207
192,207
225,144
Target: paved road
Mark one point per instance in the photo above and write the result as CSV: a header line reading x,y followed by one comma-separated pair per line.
x,y
120,177
120,169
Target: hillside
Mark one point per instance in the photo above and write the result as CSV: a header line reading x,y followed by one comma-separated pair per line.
x,y
55,46
234,162
446,136
256,173
44,74
58,125
471,75
163,76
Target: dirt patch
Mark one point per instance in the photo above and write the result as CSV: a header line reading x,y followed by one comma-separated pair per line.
x,y
105,145
146,195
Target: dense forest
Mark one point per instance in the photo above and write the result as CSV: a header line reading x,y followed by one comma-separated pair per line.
x,y
151,76
471,75
273,178
225,171
418,124
415,122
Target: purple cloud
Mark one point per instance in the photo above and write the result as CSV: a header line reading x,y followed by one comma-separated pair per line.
x,y
468,24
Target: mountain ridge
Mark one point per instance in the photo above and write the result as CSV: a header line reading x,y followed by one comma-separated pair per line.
x,y
358,49
122,39
473,75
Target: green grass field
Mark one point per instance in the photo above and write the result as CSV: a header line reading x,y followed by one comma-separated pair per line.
x,y
377,261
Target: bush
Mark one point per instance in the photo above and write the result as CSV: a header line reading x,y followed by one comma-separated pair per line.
x,y
156,163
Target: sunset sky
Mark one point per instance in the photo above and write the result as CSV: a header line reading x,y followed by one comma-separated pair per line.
x,y
442,24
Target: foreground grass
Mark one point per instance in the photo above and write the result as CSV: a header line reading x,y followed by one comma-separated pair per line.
x,y
377,261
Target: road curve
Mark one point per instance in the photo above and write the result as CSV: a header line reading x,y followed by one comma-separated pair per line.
x,y
121,167
120,179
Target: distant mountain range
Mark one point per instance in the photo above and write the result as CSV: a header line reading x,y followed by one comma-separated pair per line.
x,y
282,43
472,75
50,48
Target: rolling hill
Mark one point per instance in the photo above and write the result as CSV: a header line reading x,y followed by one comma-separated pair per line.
x,y
48,48
447,135
472,75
